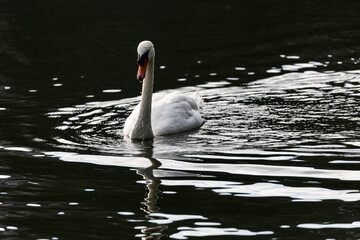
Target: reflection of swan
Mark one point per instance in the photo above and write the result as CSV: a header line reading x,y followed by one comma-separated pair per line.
x,y
162,114
152,186
152,232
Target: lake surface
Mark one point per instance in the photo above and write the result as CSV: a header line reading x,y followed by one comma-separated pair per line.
x,y
277,158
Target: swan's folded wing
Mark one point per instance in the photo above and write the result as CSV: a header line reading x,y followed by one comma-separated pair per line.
x,y
174,113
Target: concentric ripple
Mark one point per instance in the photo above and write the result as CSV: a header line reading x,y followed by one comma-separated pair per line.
x,y
283,111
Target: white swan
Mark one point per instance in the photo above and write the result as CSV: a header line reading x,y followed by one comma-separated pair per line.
x,y
160,114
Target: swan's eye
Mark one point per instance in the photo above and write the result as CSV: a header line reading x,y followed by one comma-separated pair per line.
x,y
141,58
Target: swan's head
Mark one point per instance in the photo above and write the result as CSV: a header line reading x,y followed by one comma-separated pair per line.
x,y
145,53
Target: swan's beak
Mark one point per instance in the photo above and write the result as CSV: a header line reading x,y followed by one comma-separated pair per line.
x,y
141,71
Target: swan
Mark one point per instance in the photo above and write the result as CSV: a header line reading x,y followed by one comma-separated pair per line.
x,y
160,113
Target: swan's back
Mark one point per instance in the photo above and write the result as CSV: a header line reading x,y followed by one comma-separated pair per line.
x,y
175,112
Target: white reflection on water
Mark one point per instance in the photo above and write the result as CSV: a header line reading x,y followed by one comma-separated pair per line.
x,y
185,232
267,189
164,218
330,225
207,224
265,170
297,193
17,149
270,190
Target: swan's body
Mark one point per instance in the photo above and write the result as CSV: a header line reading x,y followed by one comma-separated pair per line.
x,y
171,113
160,114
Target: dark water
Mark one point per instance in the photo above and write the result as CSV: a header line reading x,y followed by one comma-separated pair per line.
x,y
278,156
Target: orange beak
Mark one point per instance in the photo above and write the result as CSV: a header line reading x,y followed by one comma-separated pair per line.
x,y
141,71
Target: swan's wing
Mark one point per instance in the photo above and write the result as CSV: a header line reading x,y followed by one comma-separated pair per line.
x,y
175,112
171,113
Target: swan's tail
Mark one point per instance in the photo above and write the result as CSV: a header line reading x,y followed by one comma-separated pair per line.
x,y
198,98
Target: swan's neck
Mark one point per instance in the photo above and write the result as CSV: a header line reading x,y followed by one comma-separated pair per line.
x,y
142,128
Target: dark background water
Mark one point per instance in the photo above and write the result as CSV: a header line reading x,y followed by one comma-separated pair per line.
x,y
61,54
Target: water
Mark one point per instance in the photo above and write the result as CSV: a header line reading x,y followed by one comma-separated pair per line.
x,y
277,157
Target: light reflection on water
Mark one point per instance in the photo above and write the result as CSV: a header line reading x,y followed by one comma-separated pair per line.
x,y
237,168
327,225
